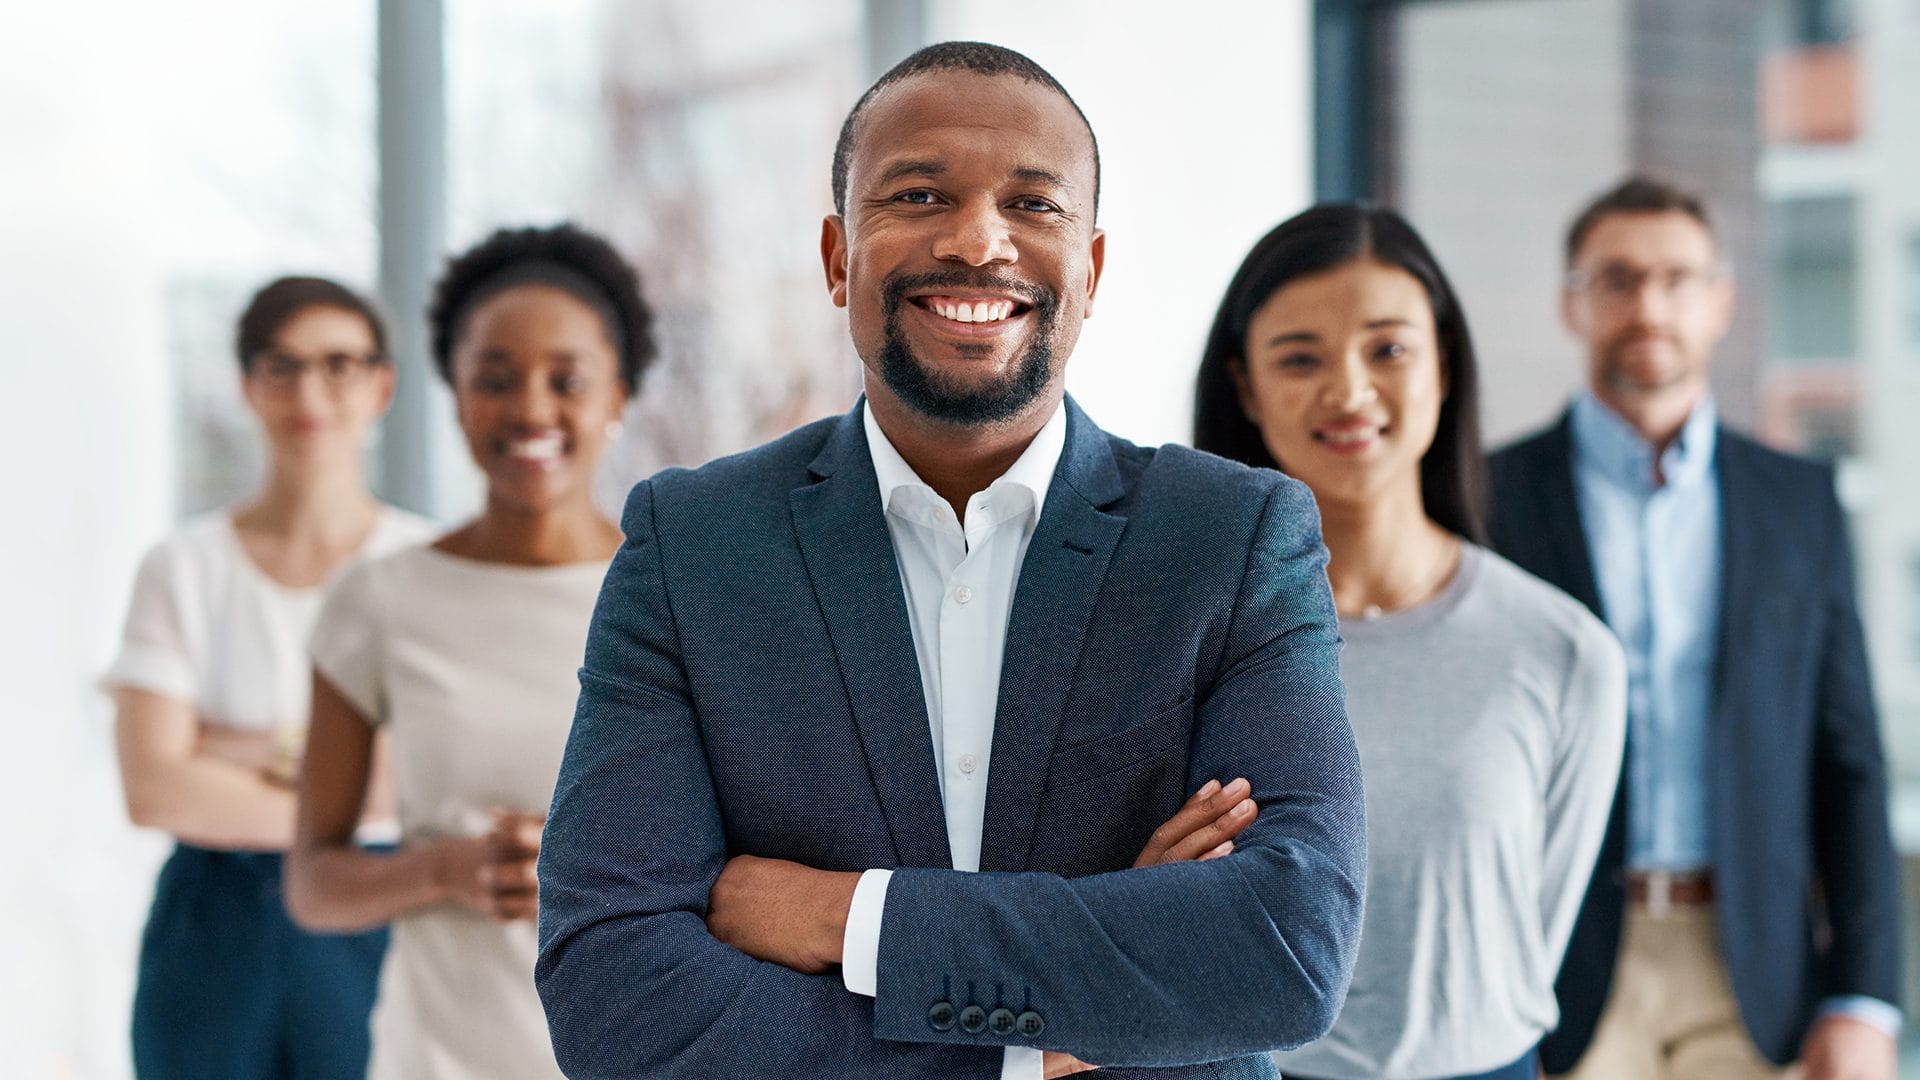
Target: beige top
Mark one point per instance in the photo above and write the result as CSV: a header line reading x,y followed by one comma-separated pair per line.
x,y
471,666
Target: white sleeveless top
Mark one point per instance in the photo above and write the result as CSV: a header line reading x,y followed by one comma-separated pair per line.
x,y
208,627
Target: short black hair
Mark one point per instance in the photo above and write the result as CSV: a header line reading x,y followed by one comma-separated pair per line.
x,y
1638,194
564,256
978,57
1453,473
279,300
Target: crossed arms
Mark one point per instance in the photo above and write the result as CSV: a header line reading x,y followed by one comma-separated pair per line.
x,y
1127,966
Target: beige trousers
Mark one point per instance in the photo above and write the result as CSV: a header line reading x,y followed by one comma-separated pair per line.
x,y
1671,1014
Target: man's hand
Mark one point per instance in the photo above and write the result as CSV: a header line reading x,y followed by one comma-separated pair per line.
x,y
781,912
1843,1048
1204,828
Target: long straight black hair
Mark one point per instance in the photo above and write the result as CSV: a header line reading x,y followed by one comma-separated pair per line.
x,y
1453,473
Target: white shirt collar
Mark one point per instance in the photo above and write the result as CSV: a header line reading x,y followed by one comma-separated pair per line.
x,y
1032,470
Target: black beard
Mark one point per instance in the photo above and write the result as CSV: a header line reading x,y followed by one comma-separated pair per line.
x,y
923,391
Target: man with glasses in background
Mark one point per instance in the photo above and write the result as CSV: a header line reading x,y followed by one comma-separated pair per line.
x,y
1745,910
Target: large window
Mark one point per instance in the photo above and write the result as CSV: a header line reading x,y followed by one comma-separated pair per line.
x,y
160,162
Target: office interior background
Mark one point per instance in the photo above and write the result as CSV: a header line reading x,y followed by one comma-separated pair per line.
x,y
161,161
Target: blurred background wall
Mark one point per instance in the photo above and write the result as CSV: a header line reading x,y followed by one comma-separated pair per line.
x,y
160,161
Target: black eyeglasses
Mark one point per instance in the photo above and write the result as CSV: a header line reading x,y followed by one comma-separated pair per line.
x,y
1619,283
281,373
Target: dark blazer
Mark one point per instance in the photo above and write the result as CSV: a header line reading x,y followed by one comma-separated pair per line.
x,y
751,687
1805,879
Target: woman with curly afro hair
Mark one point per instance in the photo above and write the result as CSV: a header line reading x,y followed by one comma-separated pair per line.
x,y
464,651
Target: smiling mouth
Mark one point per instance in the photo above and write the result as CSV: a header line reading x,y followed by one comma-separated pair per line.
x,y
1351,437
549,447
963,310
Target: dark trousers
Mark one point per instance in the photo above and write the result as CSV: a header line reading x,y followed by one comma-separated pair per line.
x,y
1527,1068
231,989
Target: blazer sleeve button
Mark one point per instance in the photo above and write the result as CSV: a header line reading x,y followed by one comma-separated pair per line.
x,y
1000,1021
973,1019
1030,1024
940,1017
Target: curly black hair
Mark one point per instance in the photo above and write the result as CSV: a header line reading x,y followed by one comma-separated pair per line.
x,y
563,256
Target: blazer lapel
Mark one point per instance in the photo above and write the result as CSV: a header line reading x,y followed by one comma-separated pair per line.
x,y
1563,540
1060,582
1744,536
843,537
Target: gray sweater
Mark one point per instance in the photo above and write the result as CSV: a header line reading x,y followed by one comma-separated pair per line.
x,y
1491,721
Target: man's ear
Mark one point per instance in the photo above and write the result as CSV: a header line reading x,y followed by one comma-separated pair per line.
x,y
1723,297
833,257
1096,261
1569,317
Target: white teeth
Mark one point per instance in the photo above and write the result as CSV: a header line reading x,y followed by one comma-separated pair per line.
x,y
982,311
544,448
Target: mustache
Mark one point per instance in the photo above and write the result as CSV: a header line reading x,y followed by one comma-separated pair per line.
x,y
1635,333
894,291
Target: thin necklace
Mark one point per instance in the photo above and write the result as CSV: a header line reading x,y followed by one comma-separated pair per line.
x,y
1427,585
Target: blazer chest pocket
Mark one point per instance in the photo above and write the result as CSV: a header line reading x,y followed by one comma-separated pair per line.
x,y
1167,733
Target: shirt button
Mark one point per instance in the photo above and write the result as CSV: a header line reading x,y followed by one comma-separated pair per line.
x,y
962,593
968,763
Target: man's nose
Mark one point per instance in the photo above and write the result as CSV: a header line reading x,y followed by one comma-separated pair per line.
x,y
1652,301
976,234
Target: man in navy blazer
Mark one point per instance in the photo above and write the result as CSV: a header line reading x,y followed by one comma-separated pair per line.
x,y
814,699
1744,912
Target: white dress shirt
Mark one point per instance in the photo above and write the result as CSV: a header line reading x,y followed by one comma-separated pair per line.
x,y
959,584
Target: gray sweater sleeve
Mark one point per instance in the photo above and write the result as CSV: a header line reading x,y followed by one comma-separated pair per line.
x,y
1586,770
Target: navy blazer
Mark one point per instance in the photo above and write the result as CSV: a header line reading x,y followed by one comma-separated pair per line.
x,y
1805,880
751,687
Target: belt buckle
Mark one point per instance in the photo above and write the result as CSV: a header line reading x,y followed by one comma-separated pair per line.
x,y
1659,894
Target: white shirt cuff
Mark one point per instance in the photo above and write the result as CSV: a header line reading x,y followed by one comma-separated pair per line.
x,y
860,946
1865,1009
1023,1063
860,965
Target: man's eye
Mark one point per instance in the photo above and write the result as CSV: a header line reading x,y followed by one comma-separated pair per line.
x,y
915,198
1036,205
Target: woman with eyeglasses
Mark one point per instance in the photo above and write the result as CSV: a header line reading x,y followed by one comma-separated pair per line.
x,y
465,652
211,688
1489,708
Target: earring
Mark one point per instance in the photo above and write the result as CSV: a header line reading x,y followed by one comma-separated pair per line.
x,y
615,429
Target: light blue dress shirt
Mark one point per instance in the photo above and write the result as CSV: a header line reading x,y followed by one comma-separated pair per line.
x,y
1654,537
1655,540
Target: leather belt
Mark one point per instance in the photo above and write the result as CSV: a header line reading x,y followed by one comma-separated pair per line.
x,y
1663,890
